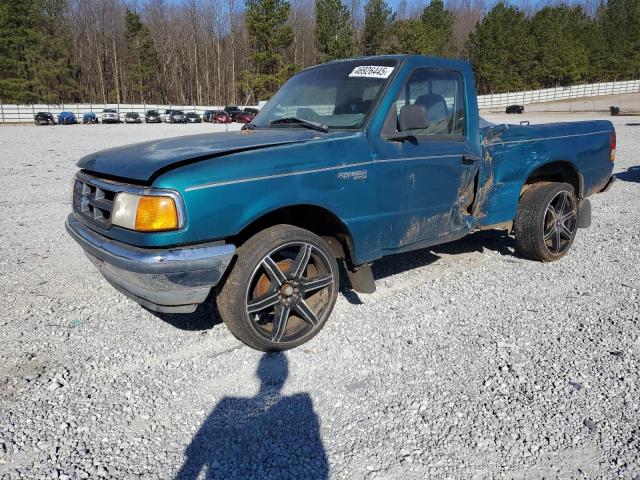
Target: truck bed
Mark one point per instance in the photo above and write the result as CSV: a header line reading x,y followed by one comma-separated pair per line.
x,y
513,152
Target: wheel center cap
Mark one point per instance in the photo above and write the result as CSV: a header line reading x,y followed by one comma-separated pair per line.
x,y
288,290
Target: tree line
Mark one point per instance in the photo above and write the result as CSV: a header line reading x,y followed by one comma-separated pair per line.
x,y
216,52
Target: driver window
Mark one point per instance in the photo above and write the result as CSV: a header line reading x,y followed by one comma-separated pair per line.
x,y
441,93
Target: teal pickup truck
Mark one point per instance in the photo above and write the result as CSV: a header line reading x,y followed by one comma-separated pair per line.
x,y
349,161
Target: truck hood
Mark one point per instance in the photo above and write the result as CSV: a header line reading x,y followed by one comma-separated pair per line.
x,y
142,161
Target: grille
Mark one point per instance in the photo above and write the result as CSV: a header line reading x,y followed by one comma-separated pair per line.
x,y
93,203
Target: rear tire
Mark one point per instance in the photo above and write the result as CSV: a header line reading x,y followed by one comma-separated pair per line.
x,y
281,290
546,221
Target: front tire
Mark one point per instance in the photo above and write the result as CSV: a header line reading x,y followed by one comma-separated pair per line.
x,y
546,221
281,290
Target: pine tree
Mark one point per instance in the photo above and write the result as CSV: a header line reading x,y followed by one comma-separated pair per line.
x,y
35,62
377,20
270,35
431,34
406,37
438,25
143,58
501,50
620,22
334,30
560,56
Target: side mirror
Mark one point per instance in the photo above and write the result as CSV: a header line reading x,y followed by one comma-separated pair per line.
x,y
412,117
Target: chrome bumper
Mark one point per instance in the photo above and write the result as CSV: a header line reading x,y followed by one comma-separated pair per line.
x,y
166,280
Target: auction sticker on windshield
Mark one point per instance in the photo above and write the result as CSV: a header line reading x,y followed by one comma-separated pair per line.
x,y
371,71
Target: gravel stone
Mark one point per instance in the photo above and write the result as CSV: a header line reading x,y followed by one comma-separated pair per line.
x,y
468,361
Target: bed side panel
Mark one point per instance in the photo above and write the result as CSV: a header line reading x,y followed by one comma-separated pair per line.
x,y
512,155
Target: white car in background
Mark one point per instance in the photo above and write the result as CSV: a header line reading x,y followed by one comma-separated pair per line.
x,y
110,115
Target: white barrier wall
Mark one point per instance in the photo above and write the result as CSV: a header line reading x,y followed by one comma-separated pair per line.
x,y
11,113
558,93
24,113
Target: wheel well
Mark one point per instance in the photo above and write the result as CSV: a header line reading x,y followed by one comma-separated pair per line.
x,y
556,172
316,219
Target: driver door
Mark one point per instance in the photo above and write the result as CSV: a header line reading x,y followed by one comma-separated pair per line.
x,y
420,178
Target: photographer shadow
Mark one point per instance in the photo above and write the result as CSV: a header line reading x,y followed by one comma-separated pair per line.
x,y
631,174
269,436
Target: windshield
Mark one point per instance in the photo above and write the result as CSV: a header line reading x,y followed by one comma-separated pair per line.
x,y
338,95
178,112
152,112
107,110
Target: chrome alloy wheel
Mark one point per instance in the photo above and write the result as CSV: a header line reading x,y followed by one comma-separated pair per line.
x,y
289,292
560,223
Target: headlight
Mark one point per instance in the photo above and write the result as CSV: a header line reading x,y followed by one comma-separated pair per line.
x,y
145,213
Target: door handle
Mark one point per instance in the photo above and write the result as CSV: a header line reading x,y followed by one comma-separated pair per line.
x,y
468,159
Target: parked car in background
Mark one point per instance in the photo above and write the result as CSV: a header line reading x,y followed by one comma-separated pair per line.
x,y
177,116
192,117
132,117
207,116
243,116
89,117
67,118
394,161
232,111
110,115
220,116
252,110
515,109
165,116
152,116
44,118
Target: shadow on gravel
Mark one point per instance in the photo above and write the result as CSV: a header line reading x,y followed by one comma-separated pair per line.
x,y
494,240
266,436
204,318
631,174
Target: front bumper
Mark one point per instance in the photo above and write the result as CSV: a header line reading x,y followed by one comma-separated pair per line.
x,y
171,280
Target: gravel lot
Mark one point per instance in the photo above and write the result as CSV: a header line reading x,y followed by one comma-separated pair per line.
x,y
468,362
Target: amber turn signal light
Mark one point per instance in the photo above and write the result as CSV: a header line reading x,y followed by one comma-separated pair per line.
x,y
156,213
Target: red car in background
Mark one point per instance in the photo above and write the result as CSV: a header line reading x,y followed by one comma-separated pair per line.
x,y
243,116
218,116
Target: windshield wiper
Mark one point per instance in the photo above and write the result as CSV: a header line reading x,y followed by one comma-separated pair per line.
x,y
303,123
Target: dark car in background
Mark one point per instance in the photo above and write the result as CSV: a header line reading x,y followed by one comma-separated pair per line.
x,y
232,111
67,118
132,117
176,116
207,116
44,118
89,117
220,116
515,109
152,116
192,117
